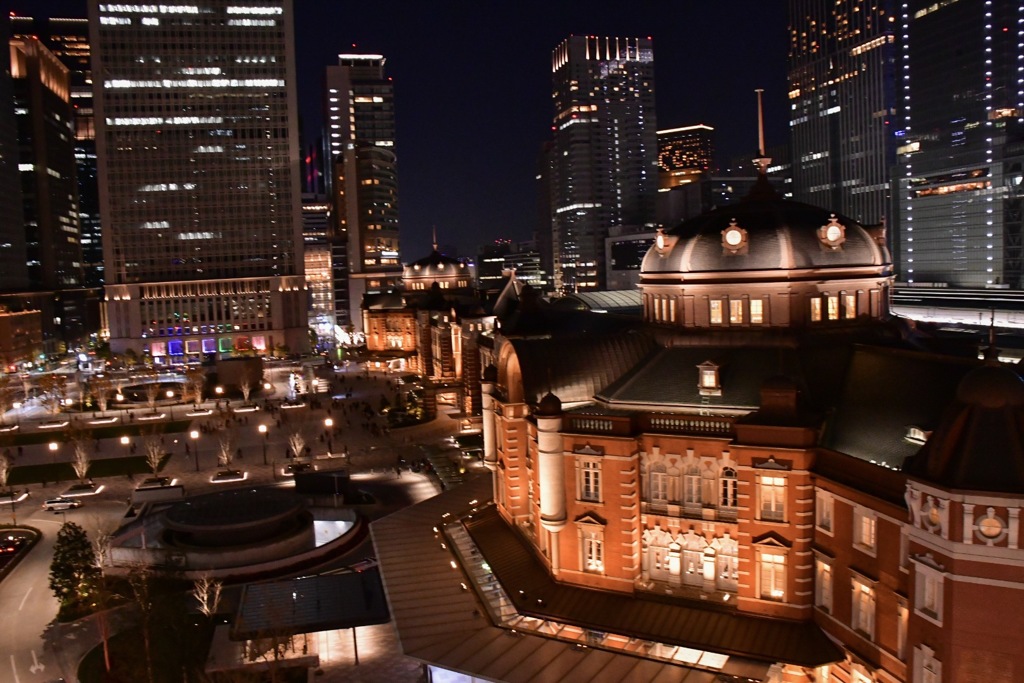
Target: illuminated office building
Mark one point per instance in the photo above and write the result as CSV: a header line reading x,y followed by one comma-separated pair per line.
x,y
42,103
603,160
68,39
842,104
13,271
684,154
359,121
197,140
961,155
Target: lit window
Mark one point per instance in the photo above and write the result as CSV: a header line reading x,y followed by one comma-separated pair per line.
x,y
736,311
716,311
862,617
824,503
773,576
691,486
659,484
593,548
772,491
756,312
927,669
816,310
864,529
833,307
902,621
823,585
850,306
590,480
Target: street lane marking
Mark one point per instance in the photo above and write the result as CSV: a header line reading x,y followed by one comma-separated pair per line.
x,y
25,598
14,670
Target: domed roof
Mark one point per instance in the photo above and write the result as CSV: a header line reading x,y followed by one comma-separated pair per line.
x,y
764,232
979,445
549,406
434,265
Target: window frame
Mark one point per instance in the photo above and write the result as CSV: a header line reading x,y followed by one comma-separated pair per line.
x,y
865,520
863,606
588,480
824,511
776,577
777,488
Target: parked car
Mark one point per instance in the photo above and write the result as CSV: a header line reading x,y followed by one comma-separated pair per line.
x,y
61,504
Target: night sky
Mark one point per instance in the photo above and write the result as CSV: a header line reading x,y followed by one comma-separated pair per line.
x,y
473,90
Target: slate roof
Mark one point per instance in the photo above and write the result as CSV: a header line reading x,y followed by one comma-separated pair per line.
x,y
575,368
979,444
440,623
623,301
653,618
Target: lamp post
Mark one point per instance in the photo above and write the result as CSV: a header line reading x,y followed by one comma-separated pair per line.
x,y
263,430
195,437
124,442
328,424
53,450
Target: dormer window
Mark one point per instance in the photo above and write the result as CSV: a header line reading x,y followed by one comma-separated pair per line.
x,y
708,382
832,234
916,435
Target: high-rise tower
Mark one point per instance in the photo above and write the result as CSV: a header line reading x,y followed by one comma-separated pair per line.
x,y
42,99
198,149
961,163
604,155
13,269
842,96
359,124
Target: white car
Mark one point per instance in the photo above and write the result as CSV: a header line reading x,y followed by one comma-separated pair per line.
x,y
61,504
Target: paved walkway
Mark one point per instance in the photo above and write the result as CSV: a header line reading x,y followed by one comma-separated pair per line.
x,y
379,654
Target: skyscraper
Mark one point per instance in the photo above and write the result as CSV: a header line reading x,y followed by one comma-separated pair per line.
x,y
359,122
603,161
42,99
961,185
198,152
842,97
13,271
684,154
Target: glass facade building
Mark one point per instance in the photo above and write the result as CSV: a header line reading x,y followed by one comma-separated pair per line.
x,y
603,160
197,140
842,104
961,183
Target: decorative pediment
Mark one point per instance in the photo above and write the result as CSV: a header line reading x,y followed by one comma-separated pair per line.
x,y
587,449
771,464
772,539
590,519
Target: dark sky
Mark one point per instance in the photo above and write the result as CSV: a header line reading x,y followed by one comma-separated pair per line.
x,y
473,89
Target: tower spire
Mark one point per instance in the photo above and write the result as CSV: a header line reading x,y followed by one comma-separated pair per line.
x,y
762,160
435,236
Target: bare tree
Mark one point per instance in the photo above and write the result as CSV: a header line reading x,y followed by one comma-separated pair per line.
x,y
26,384
247,384
99,390
140,579
151,378
225,447
154,451
5,470
206,591
6,395
101,543
297,440
81,461
195,380
53,388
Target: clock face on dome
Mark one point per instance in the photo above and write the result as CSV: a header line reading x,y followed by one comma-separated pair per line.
x,y
661,240
832,234
733,237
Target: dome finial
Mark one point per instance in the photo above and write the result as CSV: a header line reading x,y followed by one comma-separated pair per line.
x,y
434,227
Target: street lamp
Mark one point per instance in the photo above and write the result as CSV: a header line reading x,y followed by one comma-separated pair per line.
x,y
328,424
263,430
53,450
124,442
195,437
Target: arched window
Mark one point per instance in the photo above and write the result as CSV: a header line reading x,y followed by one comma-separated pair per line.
x,y
692,486
727,488
658,492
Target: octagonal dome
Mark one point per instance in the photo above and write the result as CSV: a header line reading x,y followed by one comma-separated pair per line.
x,y
764,232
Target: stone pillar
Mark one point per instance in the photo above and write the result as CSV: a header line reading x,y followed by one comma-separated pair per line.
x,y
550,465
490,376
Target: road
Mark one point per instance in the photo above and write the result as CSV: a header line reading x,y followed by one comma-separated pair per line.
x,y
35,650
